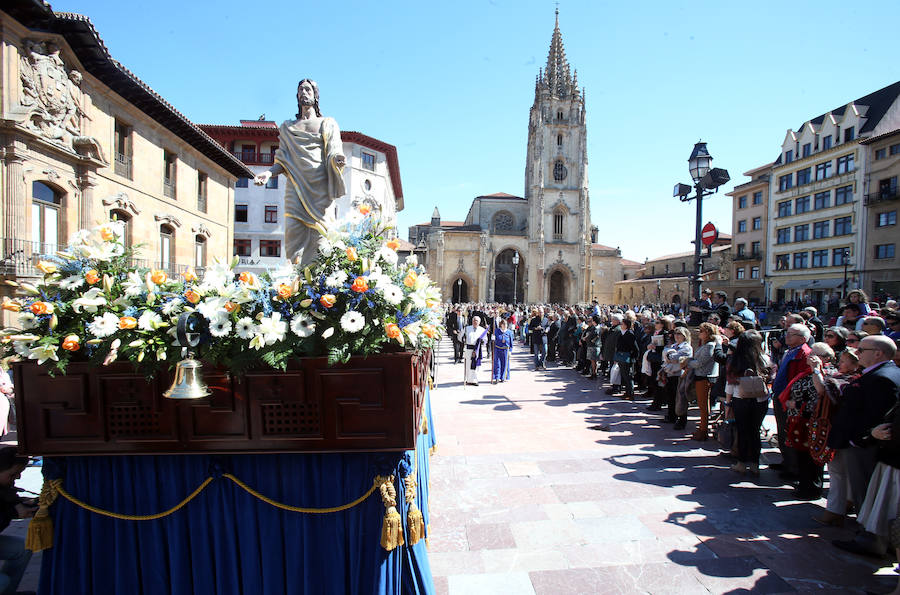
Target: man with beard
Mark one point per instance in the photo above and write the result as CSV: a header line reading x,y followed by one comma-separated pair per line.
x,y
311,156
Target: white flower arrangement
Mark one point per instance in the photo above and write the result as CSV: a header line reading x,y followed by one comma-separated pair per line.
x,y
355,298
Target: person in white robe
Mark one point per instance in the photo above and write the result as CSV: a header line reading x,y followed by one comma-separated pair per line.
x,y
474,335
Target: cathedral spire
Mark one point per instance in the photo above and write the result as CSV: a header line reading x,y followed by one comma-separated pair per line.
x,y
557,77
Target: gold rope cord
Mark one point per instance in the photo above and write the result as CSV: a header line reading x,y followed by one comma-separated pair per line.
x,y
200,488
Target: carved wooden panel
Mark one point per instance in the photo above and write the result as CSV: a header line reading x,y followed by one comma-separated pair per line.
x,y
368,404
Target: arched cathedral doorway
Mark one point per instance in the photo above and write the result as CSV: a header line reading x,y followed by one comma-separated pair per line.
x,y
460,291
505,274
558,288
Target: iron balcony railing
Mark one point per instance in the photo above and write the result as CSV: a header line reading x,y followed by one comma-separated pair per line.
x,y
254,158
881,196
748,256
123,165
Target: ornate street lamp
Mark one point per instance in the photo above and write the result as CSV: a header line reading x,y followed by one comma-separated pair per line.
x,y
706,181
845,256
459,291
593,297
515,276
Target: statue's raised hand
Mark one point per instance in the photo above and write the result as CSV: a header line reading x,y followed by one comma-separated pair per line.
x,y
262,178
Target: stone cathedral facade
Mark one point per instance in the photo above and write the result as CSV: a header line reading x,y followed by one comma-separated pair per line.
x,y
550,227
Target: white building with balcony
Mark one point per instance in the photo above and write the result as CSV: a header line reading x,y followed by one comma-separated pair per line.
x,y
371,176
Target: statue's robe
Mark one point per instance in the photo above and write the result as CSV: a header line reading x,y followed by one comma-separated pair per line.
x,y
313,182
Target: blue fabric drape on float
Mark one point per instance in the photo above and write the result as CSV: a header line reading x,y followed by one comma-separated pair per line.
x,y
226,541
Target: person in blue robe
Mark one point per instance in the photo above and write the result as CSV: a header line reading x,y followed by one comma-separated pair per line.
x,y
503,344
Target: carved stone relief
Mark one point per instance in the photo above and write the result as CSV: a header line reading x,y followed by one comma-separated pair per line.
x,y
168,220
201,230
51,92
121,201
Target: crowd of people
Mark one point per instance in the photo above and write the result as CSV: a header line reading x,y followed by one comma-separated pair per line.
x,y
833,385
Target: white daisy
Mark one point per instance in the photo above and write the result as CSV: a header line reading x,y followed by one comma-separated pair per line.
x,y
220,326
104,326
272,329
303,325
245,328
392,294
336,279
412,260
73,282
388,255
352,321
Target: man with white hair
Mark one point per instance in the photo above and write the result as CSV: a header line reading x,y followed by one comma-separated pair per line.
x,y
793,363
748,316
474,336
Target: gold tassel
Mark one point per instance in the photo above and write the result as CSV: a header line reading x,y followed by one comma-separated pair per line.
x,y
40,529
424,425
392,529
415,522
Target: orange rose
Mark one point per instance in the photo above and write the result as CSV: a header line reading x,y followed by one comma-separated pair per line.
x,y
92,277
189,275
231,307
192,296
107,233
285,291
159,276
392,244
365,209
127,322
410,279
352,256
248,278
9,305
41,308
392,330
327,300
360,285
71,343
428,330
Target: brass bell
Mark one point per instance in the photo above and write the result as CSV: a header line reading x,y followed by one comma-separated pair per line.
x,y
188,382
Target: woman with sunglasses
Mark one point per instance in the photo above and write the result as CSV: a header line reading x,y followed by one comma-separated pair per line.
x,y
836,338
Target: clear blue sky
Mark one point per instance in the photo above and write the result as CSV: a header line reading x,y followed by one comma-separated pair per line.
x,y
450,84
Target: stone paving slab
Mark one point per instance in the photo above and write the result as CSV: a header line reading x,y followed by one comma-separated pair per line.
x,y
527,498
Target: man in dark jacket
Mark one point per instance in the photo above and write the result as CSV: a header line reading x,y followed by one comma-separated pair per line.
x,y
453,329
12,506
552,336
608,351
864,404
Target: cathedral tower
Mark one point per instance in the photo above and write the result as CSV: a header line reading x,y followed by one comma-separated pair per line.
x,y
556,182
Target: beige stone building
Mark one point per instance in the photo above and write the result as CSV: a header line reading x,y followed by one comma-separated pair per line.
x,y
879,266
548,229
817,191
749,226
84,140
666,279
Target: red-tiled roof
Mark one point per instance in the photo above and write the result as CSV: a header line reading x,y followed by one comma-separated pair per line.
x,y
404,246
631,263
601,247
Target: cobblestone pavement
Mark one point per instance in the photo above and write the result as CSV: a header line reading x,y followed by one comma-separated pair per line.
x,y
527,498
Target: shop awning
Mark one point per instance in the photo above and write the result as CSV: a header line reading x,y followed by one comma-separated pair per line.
x,y
813,283
826,283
